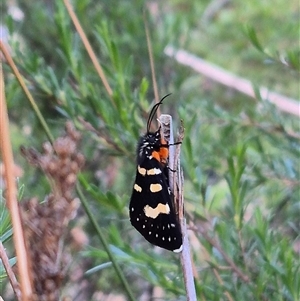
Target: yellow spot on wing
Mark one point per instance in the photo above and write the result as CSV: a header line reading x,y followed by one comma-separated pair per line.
x,y
141,170
137,188
153,171
159,209
155,187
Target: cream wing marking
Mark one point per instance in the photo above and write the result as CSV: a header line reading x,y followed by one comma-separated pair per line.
x,y
137,188
155,187
141,170
154,212
153,171
150,172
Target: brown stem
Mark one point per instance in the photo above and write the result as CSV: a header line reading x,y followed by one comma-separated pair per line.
x,y
12,203
10,274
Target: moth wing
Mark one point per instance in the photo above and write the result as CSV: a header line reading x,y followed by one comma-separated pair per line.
x,y
151,208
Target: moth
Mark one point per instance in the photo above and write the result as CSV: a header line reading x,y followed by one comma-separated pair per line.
x,y
151,207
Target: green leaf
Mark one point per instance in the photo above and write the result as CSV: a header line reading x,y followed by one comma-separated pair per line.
x,y
253,37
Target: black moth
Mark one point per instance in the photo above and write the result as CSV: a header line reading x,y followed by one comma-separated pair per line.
x,y
151,207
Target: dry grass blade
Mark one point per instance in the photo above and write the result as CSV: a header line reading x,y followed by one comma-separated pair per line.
x,y
25,89
12,203
89,49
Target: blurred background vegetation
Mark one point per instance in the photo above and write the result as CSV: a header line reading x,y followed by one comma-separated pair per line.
x,y
240,156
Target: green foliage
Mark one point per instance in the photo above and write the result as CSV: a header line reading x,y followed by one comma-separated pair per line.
x,y
291,58
240,157
5,233
12,261
5,224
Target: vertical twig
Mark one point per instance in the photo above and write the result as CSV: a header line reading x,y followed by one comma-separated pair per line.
x,y
12,203
10,274
176,186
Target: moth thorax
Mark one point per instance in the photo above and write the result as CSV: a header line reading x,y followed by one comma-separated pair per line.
x,y
152,138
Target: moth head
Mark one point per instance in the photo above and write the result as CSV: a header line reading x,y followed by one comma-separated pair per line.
x,y
148,143
151,141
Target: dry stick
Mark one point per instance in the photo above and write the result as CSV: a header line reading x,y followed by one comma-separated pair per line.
x,y
176,186
10,274
226,78
26,91
12,203
89,49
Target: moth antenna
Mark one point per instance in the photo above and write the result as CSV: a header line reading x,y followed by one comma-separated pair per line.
x,y
153,112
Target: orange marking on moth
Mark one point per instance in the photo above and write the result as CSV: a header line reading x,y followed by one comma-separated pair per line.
x,y
163,152
156,155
